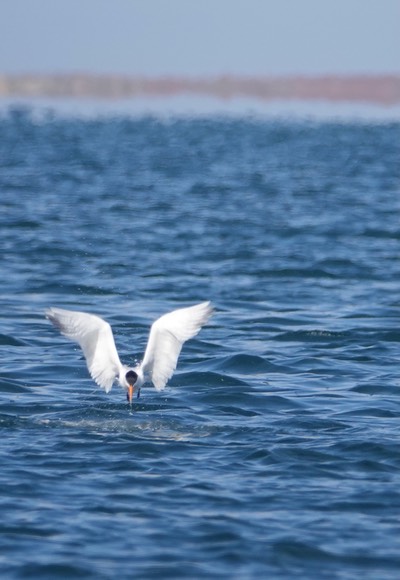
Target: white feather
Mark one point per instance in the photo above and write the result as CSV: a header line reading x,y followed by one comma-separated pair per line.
x,y
167,335
95,337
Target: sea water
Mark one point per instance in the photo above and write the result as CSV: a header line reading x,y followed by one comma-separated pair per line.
x,y
274,450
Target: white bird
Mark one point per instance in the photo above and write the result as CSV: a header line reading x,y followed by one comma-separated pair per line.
x,y
95,337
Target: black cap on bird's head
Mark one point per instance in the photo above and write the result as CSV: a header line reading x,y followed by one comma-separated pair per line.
x,y
131,378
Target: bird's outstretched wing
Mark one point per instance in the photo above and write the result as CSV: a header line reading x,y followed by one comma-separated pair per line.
x,y
166,338
95,337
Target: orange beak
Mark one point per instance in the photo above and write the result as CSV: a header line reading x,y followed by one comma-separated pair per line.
x,y
130,394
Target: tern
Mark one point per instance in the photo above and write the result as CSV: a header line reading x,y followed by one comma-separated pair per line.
x,y
95,337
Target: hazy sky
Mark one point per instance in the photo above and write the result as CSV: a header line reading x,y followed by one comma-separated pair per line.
x,y
200,37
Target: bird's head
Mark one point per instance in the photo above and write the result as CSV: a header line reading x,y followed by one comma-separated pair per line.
x,y
131,378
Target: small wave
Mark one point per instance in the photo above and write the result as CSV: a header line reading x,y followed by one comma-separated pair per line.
x,y
208,379
12,386
8,340
245,364
376,389
294,549
315,335
10,420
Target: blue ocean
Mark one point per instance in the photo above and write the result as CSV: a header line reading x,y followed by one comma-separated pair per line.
x,y
274,451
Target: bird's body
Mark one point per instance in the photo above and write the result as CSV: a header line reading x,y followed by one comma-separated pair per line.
x,y
95,337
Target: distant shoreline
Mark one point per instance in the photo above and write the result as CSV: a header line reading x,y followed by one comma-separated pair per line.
x,y
373,89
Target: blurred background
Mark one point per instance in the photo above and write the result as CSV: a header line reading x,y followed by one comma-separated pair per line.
x,y
185,37
244,49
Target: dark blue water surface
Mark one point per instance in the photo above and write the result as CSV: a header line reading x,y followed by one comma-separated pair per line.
x,y
274,452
